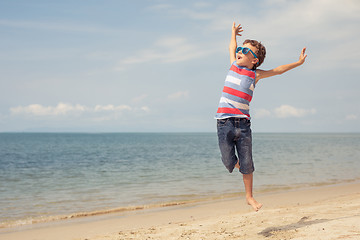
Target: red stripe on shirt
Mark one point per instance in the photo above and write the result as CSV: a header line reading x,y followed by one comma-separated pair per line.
x,y
237,93
231,111
242,71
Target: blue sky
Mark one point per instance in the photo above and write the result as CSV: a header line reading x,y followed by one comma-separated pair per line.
x,y
159,66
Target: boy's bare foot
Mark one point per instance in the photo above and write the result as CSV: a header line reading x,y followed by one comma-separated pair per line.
x,y
251,201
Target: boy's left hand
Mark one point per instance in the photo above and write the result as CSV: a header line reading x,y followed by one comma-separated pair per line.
x,y
302,56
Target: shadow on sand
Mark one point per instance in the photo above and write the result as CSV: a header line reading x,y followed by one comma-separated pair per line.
x,y
270,231
304,221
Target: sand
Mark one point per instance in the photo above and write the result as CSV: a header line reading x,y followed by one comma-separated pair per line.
x,y
327,212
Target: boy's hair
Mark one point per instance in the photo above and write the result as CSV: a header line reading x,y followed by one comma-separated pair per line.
x,y
261,51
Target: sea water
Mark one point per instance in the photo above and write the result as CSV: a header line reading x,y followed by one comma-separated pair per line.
x,y
45,175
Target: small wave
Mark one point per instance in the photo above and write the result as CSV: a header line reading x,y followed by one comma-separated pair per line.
x,y
45,219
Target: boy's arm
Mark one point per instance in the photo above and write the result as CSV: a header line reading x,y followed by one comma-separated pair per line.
x,y
281,69
232,46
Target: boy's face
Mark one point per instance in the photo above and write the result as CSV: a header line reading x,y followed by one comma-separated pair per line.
x,y
247,60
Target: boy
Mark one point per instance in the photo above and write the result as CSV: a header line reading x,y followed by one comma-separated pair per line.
x,y
233,118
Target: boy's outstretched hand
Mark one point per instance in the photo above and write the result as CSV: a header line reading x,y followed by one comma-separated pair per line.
x,y
302,56
237,30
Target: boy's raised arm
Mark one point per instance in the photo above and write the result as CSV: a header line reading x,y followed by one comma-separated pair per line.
x,y
281,69
236,30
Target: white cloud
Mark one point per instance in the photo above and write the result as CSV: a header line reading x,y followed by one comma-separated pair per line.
x,y
286,111
351,117
145,109
112,108
178,95
39,110
65,109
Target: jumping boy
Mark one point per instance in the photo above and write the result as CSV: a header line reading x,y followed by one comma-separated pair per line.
x,y
233,118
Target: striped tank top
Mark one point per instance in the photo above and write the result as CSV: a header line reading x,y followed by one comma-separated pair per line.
x,y
237,93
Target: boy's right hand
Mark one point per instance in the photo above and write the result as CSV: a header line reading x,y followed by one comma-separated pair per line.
x,y
237,29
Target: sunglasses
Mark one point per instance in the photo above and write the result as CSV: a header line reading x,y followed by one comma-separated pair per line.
x,y
245,51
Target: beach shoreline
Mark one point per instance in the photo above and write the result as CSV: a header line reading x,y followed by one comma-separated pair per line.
x,y
286,213
156,206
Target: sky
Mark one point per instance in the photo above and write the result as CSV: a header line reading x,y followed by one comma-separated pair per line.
x,y
160,66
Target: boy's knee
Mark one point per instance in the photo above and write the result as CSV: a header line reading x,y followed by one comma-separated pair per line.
x,y
247,170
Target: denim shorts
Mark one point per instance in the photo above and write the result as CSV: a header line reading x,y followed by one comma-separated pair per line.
x,y
235,133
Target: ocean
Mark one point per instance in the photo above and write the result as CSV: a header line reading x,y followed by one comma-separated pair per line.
x,y
48,176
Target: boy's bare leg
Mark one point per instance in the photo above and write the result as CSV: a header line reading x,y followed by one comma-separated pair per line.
x,y
237,165
248,182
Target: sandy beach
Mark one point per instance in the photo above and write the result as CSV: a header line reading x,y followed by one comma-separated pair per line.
x,y
327,212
